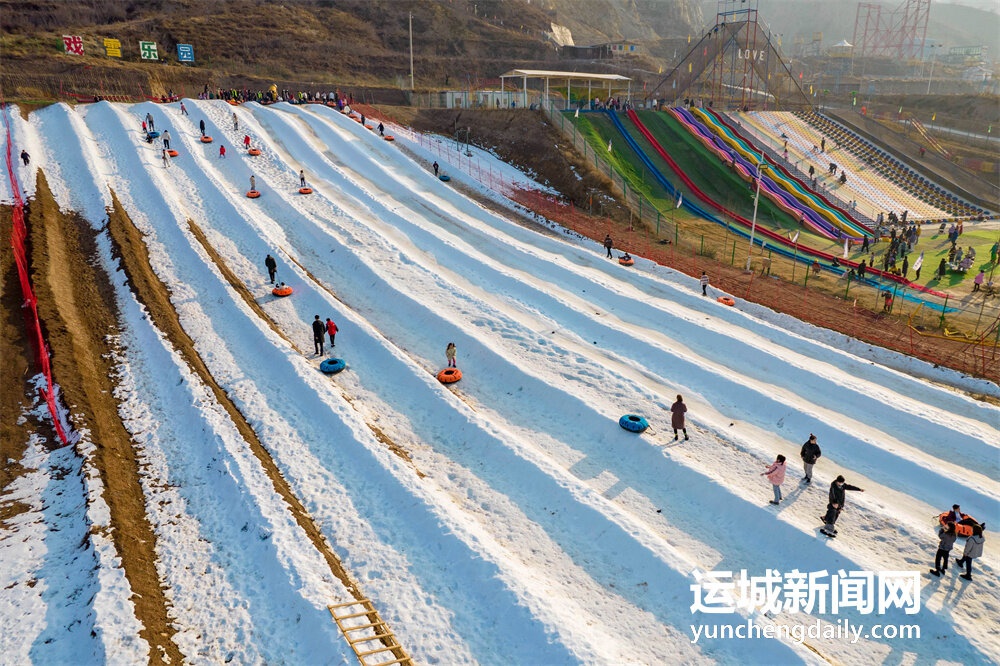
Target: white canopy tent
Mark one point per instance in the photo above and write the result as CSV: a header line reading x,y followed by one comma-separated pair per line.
x,y
569,77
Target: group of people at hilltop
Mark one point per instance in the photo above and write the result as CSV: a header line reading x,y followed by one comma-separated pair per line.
x,y
271,95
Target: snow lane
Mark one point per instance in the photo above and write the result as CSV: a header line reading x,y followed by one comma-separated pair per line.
x,y
48,567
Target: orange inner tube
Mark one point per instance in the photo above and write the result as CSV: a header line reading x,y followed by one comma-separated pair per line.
x,y
449,375
282,291
725,300
206,139
305,190
254,151
960,530
172,152
389,137
626,262
253,194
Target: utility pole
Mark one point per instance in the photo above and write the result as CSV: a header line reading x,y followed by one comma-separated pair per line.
x,y
411,52
753,222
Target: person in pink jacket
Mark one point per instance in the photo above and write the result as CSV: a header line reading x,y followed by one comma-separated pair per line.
x,y
776,475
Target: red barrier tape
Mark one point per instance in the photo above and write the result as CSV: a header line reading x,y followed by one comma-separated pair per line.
x,y
19,234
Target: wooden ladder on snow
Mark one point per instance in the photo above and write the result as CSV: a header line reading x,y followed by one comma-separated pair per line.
x,y
370,628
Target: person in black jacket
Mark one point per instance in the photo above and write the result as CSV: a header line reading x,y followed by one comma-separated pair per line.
x,y
947,535
319,330
810,454
838,496
272,267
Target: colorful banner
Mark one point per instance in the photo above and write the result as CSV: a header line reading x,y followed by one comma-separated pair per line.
x,y
185,53
73,44
147,51
113,48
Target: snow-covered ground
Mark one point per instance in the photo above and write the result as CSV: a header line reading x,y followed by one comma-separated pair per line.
x,y
529,527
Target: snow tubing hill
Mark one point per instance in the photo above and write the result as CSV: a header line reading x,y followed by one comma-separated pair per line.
x,y
449,375
282,291
332,366
960,530
633,423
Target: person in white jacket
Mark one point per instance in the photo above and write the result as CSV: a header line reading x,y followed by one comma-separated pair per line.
x,y
973,549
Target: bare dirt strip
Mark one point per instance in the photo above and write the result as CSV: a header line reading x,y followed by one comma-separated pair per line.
x,y
16,368
77,306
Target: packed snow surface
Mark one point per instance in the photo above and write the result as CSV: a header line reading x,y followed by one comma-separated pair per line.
x,y
527,526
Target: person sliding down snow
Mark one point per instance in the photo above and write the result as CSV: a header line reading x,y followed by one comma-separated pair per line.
x,y
627,257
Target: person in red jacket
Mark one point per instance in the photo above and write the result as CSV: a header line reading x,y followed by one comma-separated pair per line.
x,y
246,141
331,328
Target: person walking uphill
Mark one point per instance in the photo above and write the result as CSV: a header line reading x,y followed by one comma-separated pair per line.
x,y
947,538
973,549
25,157
704,283
450,352
608,244
201,124
776,475
677,411
838,496
272,267
810,454
319,330
331,330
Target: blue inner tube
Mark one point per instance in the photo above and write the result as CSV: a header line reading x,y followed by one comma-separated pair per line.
x,y
153,135
444,178
633,423
332,366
